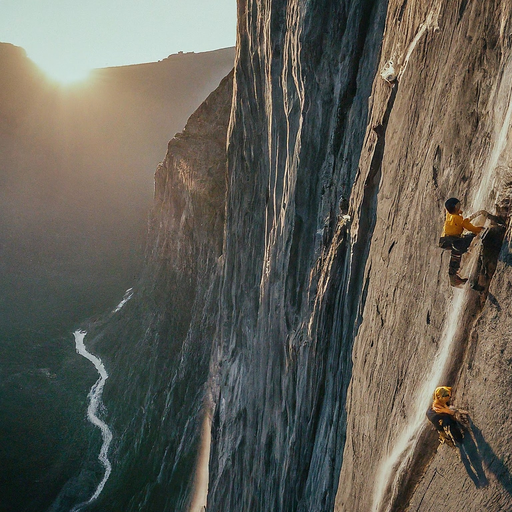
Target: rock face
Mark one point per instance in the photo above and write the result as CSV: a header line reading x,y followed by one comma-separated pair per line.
x,y
333,336
330,321
446,136
290,293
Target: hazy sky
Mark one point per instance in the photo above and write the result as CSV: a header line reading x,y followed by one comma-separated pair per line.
x,y
66,38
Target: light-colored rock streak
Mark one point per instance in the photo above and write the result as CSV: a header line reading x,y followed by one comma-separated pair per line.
x,y
127,296
431,22
94,404
482,196
200,494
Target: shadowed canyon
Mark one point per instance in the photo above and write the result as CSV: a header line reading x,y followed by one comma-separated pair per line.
x,y
76,185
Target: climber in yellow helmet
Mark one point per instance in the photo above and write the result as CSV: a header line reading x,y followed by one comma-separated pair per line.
x,y
442,416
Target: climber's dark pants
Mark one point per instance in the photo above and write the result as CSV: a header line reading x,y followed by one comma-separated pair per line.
x,y
458,245
440,421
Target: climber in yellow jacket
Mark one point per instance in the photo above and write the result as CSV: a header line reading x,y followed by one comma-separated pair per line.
x,y
442,416
454,239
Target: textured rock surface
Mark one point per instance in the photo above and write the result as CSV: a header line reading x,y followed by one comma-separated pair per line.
x,y
446,136
303,78
305,286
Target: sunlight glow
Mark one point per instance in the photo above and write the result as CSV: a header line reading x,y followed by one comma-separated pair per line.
x,y
64,73
66,38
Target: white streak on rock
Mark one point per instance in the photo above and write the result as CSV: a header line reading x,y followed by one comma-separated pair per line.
x,y
430,23
396,462
501,138
127,296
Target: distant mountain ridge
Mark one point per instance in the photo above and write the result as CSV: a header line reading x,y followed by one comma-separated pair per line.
x,y
77,163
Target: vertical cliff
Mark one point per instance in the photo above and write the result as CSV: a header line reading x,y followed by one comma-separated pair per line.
x,y
290,291
312,302
318,336
446,135
169,397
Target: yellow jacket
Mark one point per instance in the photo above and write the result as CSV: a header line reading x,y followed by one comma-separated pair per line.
x,y
455,224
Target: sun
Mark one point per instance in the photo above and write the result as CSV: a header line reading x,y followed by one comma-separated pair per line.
x,y
67,76
62,72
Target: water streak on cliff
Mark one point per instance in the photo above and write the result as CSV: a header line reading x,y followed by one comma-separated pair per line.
x,y
503,97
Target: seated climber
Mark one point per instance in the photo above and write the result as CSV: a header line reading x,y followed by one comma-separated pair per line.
x,y
442,416
453,238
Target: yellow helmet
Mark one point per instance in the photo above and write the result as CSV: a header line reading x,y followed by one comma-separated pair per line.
x,y
442,392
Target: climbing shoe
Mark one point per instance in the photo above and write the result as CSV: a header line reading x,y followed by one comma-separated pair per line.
x,y
456,280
